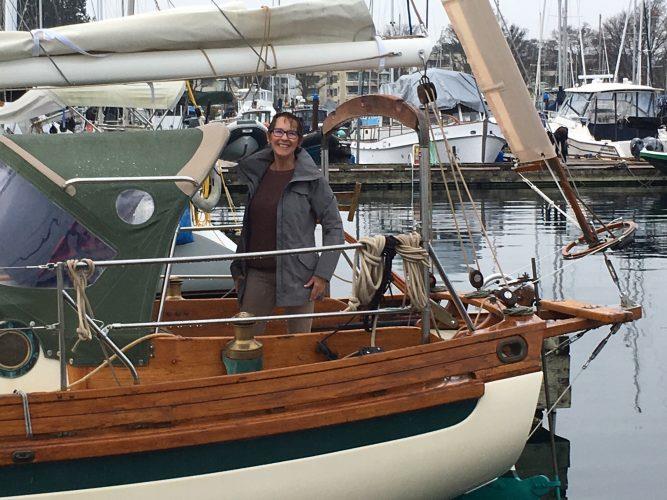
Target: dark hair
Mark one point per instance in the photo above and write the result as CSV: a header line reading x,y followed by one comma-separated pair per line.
x,y
291,117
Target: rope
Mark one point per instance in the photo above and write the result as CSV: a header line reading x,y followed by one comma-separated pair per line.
x,y
415,261
79,276
368,278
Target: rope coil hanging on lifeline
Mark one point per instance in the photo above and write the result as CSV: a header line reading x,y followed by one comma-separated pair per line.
x,y
80,272
371,280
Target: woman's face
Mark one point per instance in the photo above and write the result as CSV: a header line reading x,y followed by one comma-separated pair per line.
x,y
281,144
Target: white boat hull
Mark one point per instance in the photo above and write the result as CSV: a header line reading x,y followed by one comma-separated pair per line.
x,y
582,143
439,464
466,140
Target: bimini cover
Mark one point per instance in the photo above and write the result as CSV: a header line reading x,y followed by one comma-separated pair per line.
x,y
452,88
44,101
41,220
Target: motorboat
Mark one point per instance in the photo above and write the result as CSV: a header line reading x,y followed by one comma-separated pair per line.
x,y
467,124
602,118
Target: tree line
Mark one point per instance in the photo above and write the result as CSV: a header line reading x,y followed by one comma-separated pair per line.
x,y
449,53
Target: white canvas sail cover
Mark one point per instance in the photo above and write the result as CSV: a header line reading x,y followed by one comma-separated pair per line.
x,y
317,35
314,21
44,101
499,79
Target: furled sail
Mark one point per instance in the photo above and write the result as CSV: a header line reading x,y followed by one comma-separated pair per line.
x,y
177,44
499,79
43,101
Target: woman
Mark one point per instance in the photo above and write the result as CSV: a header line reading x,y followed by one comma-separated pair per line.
x,y
287,196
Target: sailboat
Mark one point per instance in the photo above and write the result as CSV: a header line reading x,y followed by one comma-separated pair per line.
x,y
402,411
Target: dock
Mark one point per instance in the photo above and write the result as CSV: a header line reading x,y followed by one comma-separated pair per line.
x,y
584,172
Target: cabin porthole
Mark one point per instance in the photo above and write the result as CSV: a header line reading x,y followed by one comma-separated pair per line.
x,y
19,349
512,349
135,206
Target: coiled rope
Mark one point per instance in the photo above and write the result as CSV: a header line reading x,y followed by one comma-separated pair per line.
x,y
368,278
79,275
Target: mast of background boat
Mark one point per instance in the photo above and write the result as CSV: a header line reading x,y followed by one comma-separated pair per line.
x,y
538,71
581,48
638,77
499,79
622,45
563,41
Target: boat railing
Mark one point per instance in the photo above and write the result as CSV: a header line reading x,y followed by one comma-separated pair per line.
x,y
102,332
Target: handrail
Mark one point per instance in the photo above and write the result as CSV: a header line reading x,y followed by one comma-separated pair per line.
x,y
210,228
140,178
253,319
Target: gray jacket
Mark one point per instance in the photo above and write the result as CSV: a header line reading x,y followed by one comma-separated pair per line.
x,y
307,198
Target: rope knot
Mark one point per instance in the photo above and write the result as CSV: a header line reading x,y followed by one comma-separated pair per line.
x,y
80,271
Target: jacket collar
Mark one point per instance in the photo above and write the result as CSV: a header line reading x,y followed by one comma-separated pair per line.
x,y
253,168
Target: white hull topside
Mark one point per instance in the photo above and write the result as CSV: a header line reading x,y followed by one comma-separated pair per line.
x,y
439,464
581,142
466,140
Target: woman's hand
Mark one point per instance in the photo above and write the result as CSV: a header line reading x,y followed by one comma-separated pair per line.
x,y
318,286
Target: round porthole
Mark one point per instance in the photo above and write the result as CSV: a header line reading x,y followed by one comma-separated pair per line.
x,y
135,206
19,349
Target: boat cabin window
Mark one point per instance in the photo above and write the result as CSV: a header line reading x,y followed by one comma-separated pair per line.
x,y
135,206
35,231
575,105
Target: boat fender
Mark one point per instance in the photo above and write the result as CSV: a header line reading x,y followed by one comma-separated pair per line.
x,y
636,145
208,203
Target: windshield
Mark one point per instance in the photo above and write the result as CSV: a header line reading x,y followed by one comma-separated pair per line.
x,y
34,230
575,105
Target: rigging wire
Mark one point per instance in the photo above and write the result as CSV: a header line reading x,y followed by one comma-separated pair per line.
x,y
614,328
452,206
456,168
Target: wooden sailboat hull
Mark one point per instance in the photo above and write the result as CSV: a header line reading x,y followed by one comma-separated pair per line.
x,y
420,421
437,452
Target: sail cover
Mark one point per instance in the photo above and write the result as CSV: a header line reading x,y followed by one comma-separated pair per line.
x,y
314,21
499,79
452,88
317,35
44,101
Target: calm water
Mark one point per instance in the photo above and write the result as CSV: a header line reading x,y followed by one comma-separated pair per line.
x,y
617,425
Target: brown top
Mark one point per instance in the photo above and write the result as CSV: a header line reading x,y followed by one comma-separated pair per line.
x,y
262,216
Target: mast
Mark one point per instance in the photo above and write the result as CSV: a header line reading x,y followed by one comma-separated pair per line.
x,y
11,16
41,15
498,77
634,41
622,45
538,71
638,78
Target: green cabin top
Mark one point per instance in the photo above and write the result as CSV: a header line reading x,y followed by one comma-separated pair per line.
x,y
44,218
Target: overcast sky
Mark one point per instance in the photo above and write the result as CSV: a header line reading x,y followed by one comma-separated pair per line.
x,y
525,13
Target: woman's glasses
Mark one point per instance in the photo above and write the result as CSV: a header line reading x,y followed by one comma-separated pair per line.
x,y
291,134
